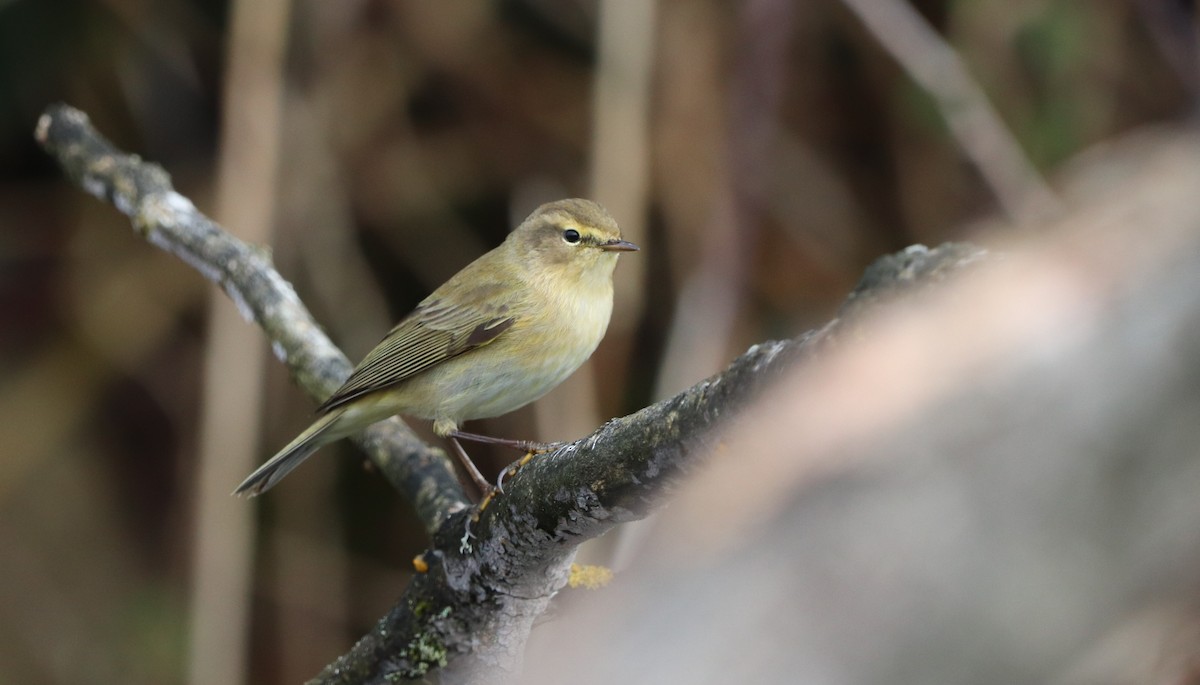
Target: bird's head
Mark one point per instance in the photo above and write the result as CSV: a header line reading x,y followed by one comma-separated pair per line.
x,y
573,238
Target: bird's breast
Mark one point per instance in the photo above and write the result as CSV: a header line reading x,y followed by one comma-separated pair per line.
x,y
552,344
548,342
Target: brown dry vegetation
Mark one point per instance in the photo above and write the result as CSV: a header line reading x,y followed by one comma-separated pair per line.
x,y
377,146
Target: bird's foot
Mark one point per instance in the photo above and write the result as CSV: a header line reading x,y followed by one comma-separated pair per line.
x,y
484,502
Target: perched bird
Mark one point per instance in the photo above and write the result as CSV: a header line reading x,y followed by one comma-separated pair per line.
x,y
498,335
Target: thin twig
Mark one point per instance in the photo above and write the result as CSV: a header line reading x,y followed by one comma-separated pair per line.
x,y
974,123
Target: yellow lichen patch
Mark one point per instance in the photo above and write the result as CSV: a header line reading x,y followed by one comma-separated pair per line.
x,y
420,564
589,577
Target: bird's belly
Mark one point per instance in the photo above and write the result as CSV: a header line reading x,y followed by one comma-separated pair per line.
x,y
487,383
526,363
505,387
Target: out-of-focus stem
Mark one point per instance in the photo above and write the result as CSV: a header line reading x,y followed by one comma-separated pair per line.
x,y
234,362
974,123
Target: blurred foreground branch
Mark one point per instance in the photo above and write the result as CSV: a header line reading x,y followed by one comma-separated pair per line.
x,y
994,483
471,609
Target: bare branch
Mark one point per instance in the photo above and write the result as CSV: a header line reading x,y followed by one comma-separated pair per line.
x,y
142,191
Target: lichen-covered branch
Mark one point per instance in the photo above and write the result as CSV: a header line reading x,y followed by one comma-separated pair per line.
x,y
487,577
475,605
472,610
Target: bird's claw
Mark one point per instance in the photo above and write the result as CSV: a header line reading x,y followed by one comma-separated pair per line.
x,y
506,472
511,470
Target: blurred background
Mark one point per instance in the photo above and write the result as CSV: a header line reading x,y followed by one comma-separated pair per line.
x,y
761,152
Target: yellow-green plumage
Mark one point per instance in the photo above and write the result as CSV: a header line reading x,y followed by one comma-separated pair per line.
x,y
499,334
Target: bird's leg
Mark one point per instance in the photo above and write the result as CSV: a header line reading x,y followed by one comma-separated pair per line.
x,y
485,488
527,446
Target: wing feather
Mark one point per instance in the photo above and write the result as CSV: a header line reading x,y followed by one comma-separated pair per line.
x,y
434,332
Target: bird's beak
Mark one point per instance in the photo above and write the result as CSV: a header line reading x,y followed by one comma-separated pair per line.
x,y
619,246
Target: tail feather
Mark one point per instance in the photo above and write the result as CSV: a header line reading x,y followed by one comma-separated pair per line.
x,y
266,476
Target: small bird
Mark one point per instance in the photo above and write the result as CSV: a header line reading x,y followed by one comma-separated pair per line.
x,y
498,335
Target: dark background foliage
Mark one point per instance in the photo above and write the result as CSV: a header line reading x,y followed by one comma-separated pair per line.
x,y
786,149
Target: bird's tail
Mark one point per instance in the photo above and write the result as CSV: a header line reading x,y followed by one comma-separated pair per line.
x,y
288,458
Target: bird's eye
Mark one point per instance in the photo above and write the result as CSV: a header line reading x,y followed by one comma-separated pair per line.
x,y
571,236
